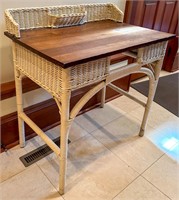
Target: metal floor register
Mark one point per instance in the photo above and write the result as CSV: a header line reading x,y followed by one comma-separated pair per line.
x,y
39,153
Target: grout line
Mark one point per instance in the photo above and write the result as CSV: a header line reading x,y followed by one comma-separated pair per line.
x,y
13,176
151,182
156,187
26,168
147,181
49,180
126,186
153,163
141,175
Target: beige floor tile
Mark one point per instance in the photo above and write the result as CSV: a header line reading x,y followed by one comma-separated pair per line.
x,y
104,179
30,184
98,117
51,169
76,132
141,189
139,153
117,131
157,117
93,172
164,174
124,104
10,163
121,137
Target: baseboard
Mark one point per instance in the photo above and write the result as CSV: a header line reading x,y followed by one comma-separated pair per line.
x,y
8,89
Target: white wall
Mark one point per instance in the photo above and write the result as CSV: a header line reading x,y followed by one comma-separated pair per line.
x,y
6,64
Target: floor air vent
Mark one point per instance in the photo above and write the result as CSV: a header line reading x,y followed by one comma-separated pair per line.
x,y
39,153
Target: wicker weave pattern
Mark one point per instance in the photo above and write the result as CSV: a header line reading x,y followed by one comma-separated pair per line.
x,y
11,25
152,53
30,18
89,72
41,71
66,16
59,10
97,12
51,77
67,20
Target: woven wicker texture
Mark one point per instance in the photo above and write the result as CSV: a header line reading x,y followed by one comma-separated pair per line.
x,y
51,77
151,53
67,16
30,18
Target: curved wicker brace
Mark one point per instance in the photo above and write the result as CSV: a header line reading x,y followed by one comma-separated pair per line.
x,y
85,99
58,104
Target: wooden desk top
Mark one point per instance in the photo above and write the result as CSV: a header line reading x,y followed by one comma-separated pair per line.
x,y
74,45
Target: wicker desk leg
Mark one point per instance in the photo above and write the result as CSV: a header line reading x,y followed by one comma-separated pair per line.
x,y
151,94
103,97
19,99
64,133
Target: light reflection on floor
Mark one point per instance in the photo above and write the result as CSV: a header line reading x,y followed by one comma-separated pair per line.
x,y
166,138
169,143
171,147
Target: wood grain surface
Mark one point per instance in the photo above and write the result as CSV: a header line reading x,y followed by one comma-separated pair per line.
x,y
78,44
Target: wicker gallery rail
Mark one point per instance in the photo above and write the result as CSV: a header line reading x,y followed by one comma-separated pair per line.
x,y
64,48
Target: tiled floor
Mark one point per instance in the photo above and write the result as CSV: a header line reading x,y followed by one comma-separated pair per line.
x,y
107,159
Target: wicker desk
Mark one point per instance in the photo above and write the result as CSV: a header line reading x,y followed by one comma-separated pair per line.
x,y
65,59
